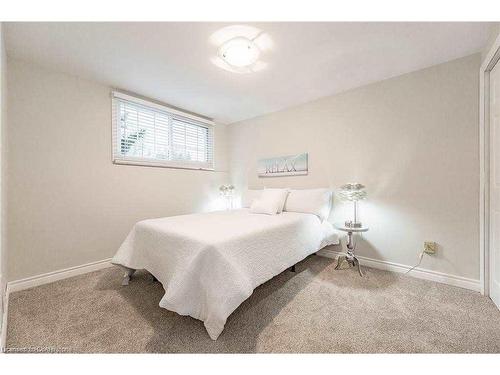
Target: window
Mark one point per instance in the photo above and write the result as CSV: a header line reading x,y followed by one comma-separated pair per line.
x,y
146,133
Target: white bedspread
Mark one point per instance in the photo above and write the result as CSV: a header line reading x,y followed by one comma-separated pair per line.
x,y
210,263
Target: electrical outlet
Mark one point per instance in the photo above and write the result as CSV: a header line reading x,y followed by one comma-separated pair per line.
x,y
430,247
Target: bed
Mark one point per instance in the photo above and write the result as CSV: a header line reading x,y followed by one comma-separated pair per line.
x,y
210,263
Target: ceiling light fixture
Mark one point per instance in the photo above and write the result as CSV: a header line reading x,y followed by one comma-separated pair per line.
x,y
239,52
240,49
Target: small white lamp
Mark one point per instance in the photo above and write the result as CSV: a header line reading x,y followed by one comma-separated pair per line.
x,y
227,192
352,192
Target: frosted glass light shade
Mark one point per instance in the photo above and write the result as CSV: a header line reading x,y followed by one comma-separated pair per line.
x,y
226,190
239,52
352,192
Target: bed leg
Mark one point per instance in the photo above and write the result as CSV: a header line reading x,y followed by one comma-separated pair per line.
x,y
128,274
292,268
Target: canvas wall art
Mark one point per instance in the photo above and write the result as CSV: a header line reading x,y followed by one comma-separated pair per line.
x,y
292,165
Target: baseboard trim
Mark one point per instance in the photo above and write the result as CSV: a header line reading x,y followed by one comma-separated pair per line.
x,y
46,278
5,304
50,277
3,336
420,273
30,282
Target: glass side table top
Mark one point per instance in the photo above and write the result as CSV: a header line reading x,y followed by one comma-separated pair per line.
x,y
342,227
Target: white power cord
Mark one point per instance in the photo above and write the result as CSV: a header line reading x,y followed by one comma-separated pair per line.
x,y
420,257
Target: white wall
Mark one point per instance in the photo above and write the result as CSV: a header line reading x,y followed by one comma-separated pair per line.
x,y
494,32
412,140
68,204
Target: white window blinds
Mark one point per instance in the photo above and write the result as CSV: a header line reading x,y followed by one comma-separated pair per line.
x,y
145,133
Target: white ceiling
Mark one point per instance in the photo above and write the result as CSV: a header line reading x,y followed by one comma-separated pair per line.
x,y
170,62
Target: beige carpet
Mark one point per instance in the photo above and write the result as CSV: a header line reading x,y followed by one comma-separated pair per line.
x,y
316,309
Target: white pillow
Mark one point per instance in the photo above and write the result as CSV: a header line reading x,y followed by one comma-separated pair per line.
x,y
248,197
282,205
310,201
270,202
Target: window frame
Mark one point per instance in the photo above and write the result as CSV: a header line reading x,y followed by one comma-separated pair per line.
x,y
118,158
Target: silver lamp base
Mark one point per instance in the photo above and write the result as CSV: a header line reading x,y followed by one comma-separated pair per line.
x,y
353,224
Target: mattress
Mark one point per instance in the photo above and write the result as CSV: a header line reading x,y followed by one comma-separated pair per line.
x,y
210,263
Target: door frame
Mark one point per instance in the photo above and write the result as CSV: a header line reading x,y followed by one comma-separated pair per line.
x,y
489,62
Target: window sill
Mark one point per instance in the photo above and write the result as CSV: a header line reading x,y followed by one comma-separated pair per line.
x,y
172,165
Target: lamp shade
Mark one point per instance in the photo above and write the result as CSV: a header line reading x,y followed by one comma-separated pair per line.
x,y
352,192
226,190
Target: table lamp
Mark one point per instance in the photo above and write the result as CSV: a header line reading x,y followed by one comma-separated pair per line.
x,y
227,192
352,192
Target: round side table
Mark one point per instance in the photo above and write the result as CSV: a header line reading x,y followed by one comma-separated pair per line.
x,y
349,256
